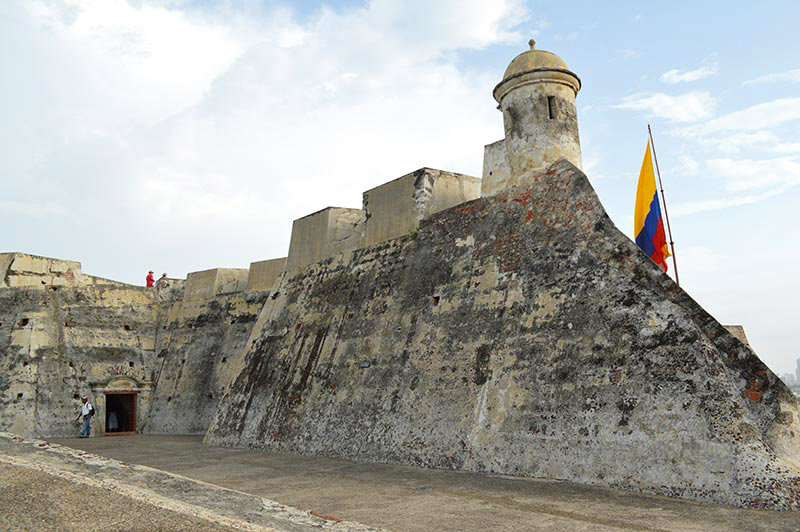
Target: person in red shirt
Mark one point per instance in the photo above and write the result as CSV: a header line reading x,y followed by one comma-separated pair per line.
x,y
149,279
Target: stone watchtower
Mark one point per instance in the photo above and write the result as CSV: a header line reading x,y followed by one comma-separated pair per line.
x,y
537,99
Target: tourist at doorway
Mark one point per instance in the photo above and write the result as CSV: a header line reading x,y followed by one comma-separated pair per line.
x,y
87,411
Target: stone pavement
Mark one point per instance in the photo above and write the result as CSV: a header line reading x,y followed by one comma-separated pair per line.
x,y
49,487
31,500
408,499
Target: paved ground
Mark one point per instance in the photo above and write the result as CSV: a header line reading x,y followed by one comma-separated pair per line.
x,y
407,499
30,500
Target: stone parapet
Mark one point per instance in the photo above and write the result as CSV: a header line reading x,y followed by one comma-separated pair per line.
x,y
264,273
207,284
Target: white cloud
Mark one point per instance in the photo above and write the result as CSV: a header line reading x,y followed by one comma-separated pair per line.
x,y
716,204
734,143
170,129
745,175
745,181
687,166
784,147
676,76
760,116
792,76
701,259
687,107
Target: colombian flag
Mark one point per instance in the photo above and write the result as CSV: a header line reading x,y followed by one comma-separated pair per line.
x,y
647,223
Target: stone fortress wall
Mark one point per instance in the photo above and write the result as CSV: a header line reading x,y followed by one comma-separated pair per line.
x,y
64,333
502,325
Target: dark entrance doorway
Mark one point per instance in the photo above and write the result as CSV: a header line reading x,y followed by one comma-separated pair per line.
x,y
120,413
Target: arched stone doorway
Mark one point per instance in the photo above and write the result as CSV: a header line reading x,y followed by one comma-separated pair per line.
x,y
122,403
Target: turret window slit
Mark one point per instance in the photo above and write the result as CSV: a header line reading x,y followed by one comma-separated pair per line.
x,y
551,107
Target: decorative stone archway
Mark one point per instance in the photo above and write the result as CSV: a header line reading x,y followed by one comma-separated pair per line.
x,y
126,392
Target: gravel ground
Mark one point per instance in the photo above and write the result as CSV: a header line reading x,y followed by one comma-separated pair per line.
x,y
32,501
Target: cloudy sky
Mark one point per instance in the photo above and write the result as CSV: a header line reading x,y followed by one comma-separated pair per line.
x,y
180,135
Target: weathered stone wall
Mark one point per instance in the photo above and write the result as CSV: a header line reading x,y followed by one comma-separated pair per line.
x,y
32,271
56,344
263,274
323,234
86,336
519,334
199,343
390,210
395,208
209,283
496,171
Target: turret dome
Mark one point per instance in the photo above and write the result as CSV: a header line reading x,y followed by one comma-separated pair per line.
x,y
534,66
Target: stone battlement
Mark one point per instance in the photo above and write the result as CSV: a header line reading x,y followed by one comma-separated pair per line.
x,y
388,211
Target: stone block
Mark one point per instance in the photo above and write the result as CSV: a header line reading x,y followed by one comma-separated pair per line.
x,y
208,283
395,208
496,171
323,234
264,273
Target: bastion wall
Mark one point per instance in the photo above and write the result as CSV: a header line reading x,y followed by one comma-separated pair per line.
x,y
518,334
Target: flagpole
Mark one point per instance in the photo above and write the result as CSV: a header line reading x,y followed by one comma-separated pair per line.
x,y
664,199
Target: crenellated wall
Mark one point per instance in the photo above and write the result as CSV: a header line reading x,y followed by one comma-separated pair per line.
x,y
388,211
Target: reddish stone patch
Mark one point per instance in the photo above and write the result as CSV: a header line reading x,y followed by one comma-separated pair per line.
x,y
326,517
523,198
752,392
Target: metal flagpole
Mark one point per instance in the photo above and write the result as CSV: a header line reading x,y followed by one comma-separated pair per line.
x,y
664,199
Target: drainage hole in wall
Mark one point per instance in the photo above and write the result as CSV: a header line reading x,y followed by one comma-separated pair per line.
x,y
169,398
435,301
127,327
19,395
224,359
183,361
76,396
24,364
130,364
23,322
211,396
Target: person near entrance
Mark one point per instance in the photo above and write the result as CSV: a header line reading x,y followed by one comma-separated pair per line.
x,y
87,411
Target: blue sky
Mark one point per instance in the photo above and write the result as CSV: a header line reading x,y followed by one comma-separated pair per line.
x,y
179,136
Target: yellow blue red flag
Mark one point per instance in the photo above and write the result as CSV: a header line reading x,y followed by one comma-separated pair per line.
x,y
647,223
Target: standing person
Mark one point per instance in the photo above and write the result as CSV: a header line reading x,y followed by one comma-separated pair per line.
x,y
87,411
150,280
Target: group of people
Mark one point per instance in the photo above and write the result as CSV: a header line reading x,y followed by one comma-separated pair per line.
x,y
150,280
